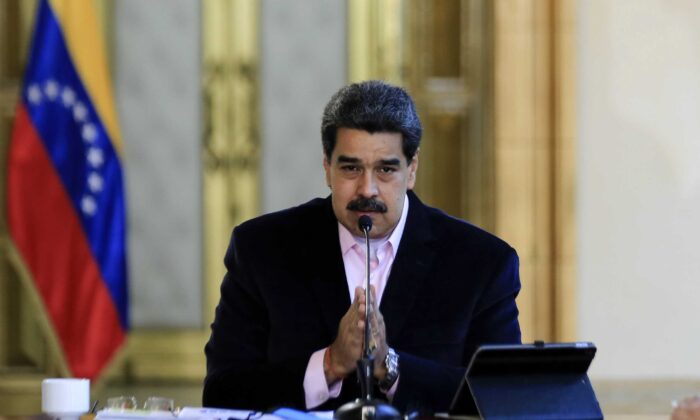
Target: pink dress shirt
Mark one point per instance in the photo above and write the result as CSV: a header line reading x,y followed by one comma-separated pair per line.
x,y
382,253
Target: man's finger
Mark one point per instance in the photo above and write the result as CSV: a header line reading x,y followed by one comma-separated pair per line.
x,y
359,294
361,309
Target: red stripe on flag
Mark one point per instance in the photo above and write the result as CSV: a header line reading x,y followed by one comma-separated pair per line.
x,y
50,238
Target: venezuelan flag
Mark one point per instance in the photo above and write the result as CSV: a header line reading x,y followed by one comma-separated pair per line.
x,y
66,210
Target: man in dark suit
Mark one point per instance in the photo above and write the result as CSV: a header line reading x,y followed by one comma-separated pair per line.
x,y
289,327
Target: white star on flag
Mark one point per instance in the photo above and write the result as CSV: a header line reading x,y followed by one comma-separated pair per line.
x,y
95,182
34,94
88,205
79,112
89,133
68,97
51,89
95,157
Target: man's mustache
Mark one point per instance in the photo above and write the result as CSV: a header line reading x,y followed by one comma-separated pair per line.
x,y
367,204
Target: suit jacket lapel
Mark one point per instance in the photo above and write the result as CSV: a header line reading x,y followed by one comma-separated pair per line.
x,y
327,273
410,268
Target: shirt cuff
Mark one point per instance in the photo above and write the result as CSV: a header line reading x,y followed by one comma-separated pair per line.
x,y
316,390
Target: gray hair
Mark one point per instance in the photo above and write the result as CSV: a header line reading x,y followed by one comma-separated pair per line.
x,y
372,106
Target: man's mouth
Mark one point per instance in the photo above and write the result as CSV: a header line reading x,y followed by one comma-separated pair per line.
x,y
367,205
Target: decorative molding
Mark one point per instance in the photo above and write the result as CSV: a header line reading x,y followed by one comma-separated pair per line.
x,y
375,37
564,109
231,138
166,355
20,394
534,158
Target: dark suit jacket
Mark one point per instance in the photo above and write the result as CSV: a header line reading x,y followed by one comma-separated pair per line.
x,y
452,288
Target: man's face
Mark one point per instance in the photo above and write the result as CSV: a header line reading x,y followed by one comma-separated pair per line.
x,y
368,174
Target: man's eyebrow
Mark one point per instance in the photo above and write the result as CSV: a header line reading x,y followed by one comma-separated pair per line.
x,y
390,162
383,162
347,159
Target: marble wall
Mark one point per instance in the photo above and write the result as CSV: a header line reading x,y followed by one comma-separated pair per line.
x,y
157,69
303,62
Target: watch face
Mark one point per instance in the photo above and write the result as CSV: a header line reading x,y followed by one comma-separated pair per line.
x,y
391,362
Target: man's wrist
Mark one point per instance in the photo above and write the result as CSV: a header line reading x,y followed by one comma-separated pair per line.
x,y
331,372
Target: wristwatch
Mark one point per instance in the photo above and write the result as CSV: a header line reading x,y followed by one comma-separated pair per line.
x,y
391,363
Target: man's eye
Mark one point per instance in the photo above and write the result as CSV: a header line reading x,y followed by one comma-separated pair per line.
x,y
350,168
387,169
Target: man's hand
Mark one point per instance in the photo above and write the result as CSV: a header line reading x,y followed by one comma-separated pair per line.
x,y
346,350
688,409
377,343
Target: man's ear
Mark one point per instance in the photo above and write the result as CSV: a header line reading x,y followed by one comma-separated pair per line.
x,y
412,169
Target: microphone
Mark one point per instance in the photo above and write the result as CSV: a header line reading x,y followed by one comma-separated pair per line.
x,y
366,408
365,224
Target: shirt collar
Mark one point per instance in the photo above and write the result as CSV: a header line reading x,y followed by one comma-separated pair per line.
x,y
347,240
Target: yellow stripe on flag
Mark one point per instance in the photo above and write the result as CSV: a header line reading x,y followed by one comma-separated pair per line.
x,y
84,39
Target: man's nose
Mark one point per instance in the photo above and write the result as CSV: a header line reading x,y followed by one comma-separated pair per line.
x,y
367,186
